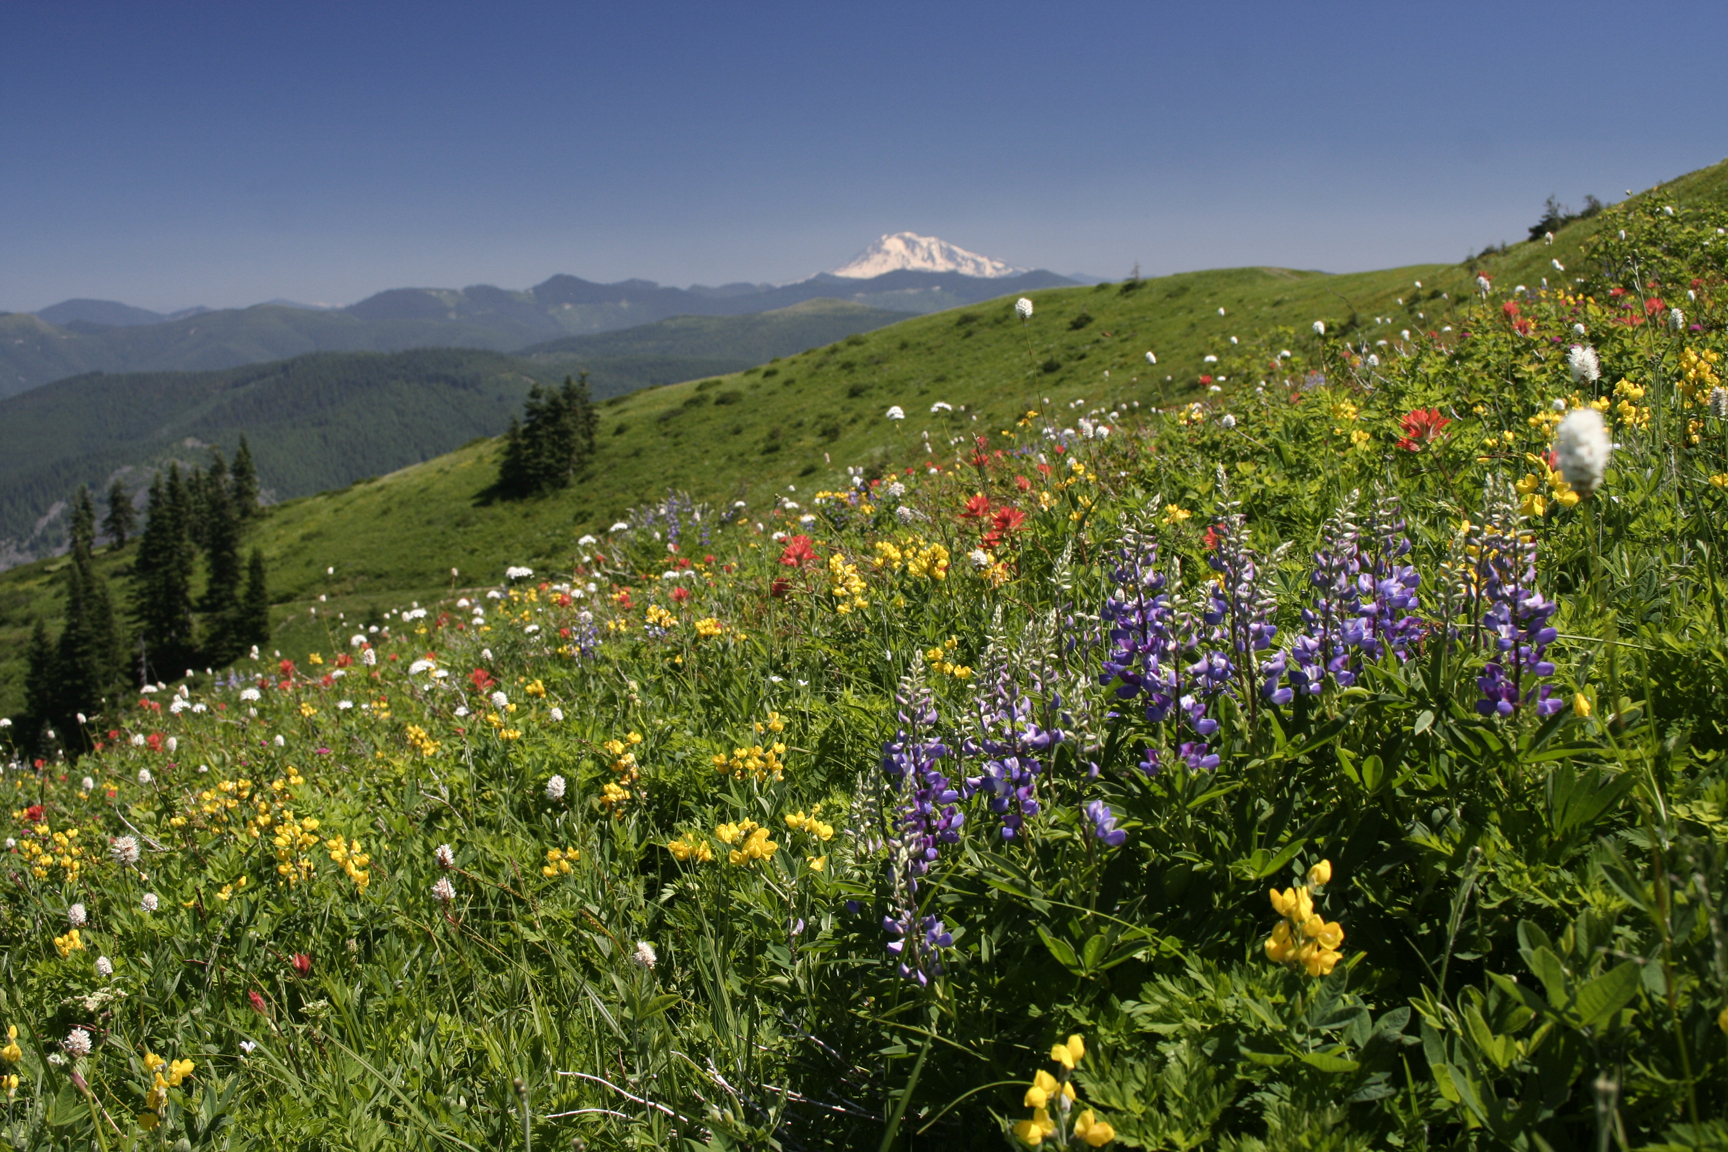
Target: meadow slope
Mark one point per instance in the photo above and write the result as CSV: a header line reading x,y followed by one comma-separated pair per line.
x,y
1334,760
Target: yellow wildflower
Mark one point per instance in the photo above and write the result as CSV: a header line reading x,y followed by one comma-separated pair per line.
x,y
1095,1132
11,1053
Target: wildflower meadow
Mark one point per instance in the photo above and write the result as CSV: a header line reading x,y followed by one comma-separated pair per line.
x,y
1335,760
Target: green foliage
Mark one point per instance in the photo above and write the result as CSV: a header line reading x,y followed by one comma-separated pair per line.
x,y
689,772
552,443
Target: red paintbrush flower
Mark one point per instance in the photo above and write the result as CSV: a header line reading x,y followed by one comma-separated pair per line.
x,y
1422,427
976,508
302,964
798,550
680,594
257,1002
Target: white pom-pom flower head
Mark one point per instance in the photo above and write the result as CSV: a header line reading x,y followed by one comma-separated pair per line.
x,y
1023,308
1582,445
1584,364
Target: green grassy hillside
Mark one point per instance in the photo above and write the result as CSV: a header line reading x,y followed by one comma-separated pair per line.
x,y
1307,767
327,419
802,419
751,339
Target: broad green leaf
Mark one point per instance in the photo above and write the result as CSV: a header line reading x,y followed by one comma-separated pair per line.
x,y
1600,999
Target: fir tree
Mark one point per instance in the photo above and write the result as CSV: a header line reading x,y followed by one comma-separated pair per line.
x,y
222,568
88,655
253,625
513,472
552,442
122,519
41,684
162,575
83,526
243,487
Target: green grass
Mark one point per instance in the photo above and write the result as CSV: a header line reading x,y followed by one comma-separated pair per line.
x,y
800,420
473,879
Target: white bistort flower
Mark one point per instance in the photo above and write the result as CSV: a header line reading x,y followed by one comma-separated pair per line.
x,y
895,412
557,714
88,784
1151,359
369,656
149,902
444,892
499,700
1227,420
144,776
1676,319
644,954
1023,308
1719,402
75,916
1586,367
104,967
77,1043
445,855
125,849
173,744
250,694
1583,447
1319,327
555,788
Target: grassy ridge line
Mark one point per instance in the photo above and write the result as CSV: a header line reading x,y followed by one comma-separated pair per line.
x,y
326,419
398,537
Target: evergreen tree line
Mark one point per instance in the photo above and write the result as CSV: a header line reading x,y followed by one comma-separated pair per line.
x,y
552,441
165,628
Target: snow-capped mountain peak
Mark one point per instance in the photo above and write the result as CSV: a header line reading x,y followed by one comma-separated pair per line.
x,y
908,250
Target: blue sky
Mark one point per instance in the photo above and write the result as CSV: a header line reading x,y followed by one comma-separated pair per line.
x,y
171,154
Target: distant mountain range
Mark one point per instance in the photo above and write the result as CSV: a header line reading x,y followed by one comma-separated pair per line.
x,y
919,274
325,419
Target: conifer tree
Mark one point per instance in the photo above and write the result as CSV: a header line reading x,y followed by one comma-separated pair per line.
x,y
552,442
162,575
222,568
243,486
121,520
83,526
513,471
41,683
88,655
253,625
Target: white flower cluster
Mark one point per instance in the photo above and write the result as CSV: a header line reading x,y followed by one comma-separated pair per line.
x,y
515,572
1582,444
1586,368
124,848
555,788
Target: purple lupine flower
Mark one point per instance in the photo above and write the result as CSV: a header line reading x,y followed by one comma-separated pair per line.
x,y
1364,601
1514,616
1141,661
1008,736
925,817
1198,756
1238,611
1104,824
